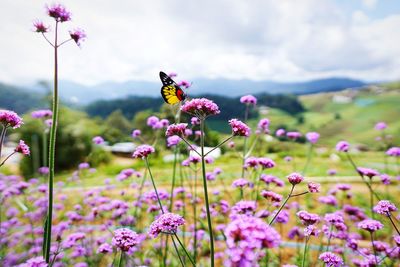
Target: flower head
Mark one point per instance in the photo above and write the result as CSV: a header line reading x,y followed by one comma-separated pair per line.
x,y
314,187
385,207
167,223
241,182
274,197
331,259
105,248
380,126
266,163
239,128
43,113
280,132
22,148
312,137
98,140
200,107
136,133
173,140
59,13
308,218
40,27
10,119
370,225
248,99
143,151
293,135
342,146
295,178
125,239
176,129
78,35
393,152
367,172
35,262
263,125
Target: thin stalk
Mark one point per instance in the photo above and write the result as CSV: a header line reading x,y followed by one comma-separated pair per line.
x,y
176,248
52,148
195,216
221,144
9,156
184,249
120,259
246,114
329,239
173,178
154,185
371,203
304,252
309,155
203,168
191,147
44,148
373,247
394,225
140,195
2,137
281,207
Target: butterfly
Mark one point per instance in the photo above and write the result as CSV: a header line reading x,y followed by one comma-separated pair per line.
x,y
170,91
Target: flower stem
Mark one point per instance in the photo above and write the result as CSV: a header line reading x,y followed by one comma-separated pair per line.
x,y
2,136
394,225
120,259
9,156
195,216
373,247
176,248
203,167
309,155
52,150
304,252
281,207
221,144
184,249
173,179
154,185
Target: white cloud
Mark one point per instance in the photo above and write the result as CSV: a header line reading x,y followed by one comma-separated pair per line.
x,y
280,40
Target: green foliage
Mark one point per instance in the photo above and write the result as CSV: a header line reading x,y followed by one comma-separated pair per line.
x,y
99,156
73,143
18,100
116,128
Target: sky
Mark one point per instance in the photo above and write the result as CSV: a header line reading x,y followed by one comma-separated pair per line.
x,y
285,40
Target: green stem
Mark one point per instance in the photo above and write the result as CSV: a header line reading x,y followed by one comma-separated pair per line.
x,y
281,207
373,247
154,185
44,148
52,149
2,137
304,252
195,216
9,156
203,168
140,195
394,225
184,249
329,239
177,252
120,259
221,144
309,155
173,179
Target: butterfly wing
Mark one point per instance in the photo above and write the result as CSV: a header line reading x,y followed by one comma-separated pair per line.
x,y
170,91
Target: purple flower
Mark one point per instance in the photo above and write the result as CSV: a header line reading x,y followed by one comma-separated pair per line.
x,y
246,236
83,165
245,207
22,148
393,152
342,146
239,128
295,178
173,140
314,187
136,133
293,135
43,170
166,223
288,159
184,83
35,262
251,162
143,151
308,218
176,129
367,172
125,239
312,137
248,99
343,187
266,163
241,182
200,107
380,126
385,207
98,140
195,121
10,119
331,172
370,225
105,248
40,27
59,13
311,230
280,132
152,121
328,200
263,125
274,197
385,179
331,259
43,113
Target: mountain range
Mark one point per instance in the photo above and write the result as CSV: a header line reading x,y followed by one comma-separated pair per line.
x,y
80,94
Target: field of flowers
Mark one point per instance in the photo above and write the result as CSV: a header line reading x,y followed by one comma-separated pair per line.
x,y
246,208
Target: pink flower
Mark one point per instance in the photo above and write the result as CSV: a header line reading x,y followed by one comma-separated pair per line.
x,y
263,125
184,83
176,129
295,178
393,152
266,163
40,27
342,146
312,137
293,135
370,225
43,113
105,248
98,140
280,132
271,195
167,223
200,107
125,239
314,187
331,259
143,151
10,119
385,207
195,121
78,35
239,128
22,148
380,126
367,172
248,99
59,13
136,133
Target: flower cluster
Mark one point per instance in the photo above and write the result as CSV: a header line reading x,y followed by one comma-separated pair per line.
x,y
308,218
22,148
200,107
176,129
370,225
10,119
59,13
43,113
385,207
125,239
331,259
342,146
166,223
393,151
143,151
312,137
248,99
239,128
295,178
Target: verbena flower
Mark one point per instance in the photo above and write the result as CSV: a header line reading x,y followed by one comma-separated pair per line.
x,y
263,125
314,187
393,152
385,179
59,13
10,119
98,140
167,223
274,197
136,133
308,218
380,126
280,132
176,129
266,163
312,137
244,207
342,146
143,151
152,121
295,178
370,225
35,262
195,121
173,140
43,113
311,230
184,83
385,207
293,135
40,27
246,236
239,128
125,239
241,182
22,148
331,259
251,162
248,99
78,35
367,172
104,248
83,165
200,107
